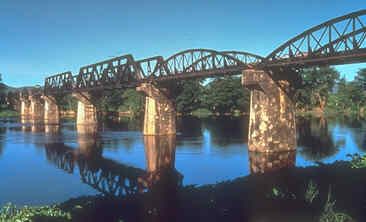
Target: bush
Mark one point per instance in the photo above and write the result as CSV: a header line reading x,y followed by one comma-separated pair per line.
x,y
10,213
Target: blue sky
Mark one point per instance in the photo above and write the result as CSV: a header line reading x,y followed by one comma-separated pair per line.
x,y
43,37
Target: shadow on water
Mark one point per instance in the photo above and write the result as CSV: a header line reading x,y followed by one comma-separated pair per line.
x,y
357,128
225,129
275,191
2,140
315,139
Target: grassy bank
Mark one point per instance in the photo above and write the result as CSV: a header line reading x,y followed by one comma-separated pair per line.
x,y
9,114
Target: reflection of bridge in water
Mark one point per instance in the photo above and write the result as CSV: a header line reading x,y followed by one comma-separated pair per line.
x,y
108,176
104,175
117,179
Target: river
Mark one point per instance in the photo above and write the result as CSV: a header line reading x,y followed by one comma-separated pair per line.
x,y
46,164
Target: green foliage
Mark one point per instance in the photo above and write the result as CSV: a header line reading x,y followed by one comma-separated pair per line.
x,y
224,95
189,97
311,192
349,97
10,213
201,112
282,193
66,102
329,215
357,161
8,113
317,83
114,100
132,101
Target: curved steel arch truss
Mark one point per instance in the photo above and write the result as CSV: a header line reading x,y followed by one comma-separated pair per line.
x,y
338,41
204,63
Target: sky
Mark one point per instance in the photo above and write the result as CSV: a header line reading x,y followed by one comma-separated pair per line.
x,y
40,38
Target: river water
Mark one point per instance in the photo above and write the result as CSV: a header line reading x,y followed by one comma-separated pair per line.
x,y
46,164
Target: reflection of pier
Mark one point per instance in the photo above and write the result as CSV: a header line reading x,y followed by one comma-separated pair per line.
x,y
272,161
112,178
160,161
315,139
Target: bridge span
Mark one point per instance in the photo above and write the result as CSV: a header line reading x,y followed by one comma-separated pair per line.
x,y
273,80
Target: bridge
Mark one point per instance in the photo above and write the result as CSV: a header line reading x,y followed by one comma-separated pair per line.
x,y
272,80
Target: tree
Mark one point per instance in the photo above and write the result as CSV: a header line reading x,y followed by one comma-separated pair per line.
x,y
226,95
188,99
349,96
133,101
361,78
317,84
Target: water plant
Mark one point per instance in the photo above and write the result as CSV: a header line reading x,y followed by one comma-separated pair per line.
x,y
10,213
357,161
329,215
311,192
282,193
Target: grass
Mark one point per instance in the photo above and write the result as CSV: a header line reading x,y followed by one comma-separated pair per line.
x,y
201,112
8,113
329,215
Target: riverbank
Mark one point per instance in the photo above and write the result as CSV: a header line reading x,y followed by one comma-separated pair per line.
x,y
297,194
9,114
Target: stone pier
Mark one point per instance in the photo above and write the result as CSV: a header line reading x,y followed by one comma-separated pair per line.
x,y
25,109
36,108
272,114
160,112
87,112
51,110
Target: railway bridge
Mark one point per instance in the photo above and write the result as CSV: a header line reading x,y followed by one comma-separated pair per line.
x,y
272,80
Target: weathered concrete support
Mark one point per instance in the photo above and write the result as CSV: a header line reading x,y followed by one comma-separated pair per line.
x,y
160,113
36,108
51,110
87,112
261,162
272,114
25,108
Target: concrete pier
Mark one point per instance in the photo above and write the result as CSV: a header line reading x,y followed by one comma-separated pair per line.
x,y
160,112
272,114
51,110
36,108
87,112
25,109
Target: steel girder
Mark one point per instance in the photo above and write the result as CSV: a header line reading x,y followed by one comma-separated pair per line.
x,y
338,41
124,71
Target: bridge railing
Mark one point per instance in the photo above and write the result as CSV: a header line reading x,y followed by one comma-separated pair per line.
x,y
124,71
340,40
59,82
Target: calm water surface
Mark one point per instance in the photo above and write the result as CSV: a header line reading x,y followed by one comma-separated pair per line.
x,y
46,164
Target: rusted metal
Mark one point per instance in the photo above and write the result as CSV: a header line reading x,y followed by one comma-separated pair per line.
x,y
338,41
124,71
